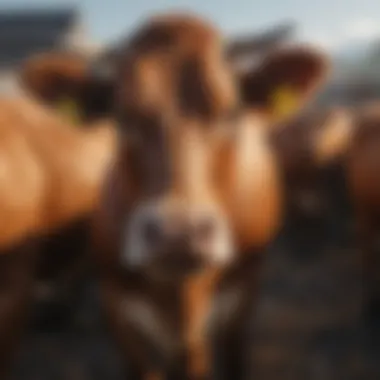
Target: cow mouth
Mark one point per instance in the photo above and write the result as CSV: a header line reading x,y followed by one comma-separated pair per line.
x,y
178,265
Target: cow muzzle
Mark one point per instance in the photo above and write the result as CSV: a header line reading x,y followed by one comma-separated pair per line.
x,y
177,238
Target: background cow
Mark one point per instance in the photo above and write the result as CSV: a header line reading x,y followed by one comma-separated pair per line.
x,y
49,185
363,186
311,149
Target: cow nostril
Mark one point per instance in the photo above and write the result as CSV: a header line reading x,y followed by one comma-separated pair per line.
x,y
205,229
151,231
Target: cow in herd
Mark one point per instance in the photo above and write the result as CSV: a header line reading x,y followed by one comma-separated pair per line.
x,y
49,187
181,173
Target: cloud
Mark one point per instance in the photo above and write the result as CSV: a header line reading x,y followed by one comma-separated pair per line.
x,y
324,41
357,31
361,29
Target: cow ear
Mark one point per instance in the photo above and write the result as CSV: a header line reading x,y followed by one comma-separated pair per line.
x,y
284,81
51,76
65,82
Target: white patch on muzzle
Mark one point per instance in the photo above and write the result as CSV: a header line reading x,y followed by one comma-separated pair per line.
x,y
134,247
136,252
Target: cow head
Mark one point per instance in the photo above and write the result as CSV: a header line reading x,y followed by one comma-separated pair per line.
x,y
192,152
185,118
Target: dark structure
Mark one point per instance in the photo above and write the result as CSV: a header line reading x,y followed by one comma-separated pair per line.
x,y
30,31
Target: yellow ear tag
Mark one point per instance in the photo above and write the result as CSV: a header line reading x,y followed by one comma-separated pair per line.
x,y
69,109
284,101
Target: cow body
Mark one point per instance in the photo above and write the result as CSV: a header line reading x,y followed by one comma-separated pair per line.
x,y
50,182
58,182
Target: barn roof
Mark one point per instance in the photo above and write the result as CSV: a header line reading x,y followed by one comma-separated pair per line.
x,y
25,32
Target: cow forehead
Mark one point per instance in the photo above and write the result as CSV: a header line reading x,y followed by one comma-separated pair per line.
x,y
159,80
174,31
176,65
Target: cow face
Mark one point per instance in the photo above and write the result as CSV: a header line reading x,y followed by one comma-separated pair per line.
x,y
199,177
177,104
189,136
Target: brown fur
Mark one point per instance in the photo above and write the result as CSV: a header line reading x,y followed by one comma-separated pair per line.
x,y
306,146
62,185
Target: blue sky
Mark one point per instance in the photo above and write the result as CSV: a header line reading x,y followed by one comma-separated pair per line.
x,y
329,22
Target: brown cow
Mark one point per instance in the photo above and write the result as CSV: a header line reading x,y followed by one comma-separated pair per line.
x,y
193,195
363,165
311,150
43,76
195,186
347,139
51,175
